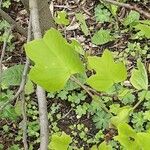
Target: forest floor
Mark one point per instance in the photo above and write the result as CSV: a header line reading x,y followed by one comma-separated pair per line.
x,y
72,110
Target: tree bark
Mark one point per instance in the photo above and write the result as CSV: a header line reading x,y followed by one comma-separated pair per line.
x,y
41,96
45,17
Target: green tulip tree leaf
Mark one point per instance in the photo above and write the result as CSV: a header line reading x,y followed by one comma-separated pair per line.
x,y
139,78
55,61
143,140
132,140
127,137
108,72
60,142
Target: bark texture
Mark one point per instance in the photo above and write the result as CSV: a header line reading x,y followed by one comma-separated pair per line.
x,y
41,96
45,16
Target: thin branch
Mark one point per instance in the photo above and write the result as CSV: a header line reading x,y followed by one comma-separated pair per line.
x,y
41,96
90,94
24,121
139,102
81,85
11,21
3,54
23,81
128,6
23,94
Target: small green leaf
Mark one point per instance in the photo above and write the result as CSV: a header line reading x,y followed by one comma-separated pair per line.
x,y
102,15
81,18
132,18
102,37
78,48
18,108
139,78
61,18
107,71
29,88
122,116
144,29
55,61
12,76
60,142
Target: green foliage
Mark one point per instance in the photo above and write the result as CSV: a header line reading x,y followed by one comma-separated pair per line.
x,y
135,50
132,140
146,115
59,142
57,60
9,111
122,116
102,146
12,76
33,129
71,85
101,119
4,27
138,121
77,47
132,18
76,97
29,87
14,147
102,37
125,96
114,108
105,78
61,18
81,18
144,29
6,3
1,146
18,108
81,110
139,78
127,137
102,14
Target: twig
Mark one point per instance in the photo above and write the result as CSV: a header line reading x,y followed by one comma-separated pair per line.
x,y
41,96
23,94
23,81
24,121
20,29
3,54
139,102
128,6
90,94
21,87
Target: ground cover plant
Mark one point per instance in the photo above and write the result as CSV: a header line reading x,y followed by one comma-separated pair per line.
x,y
74,75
